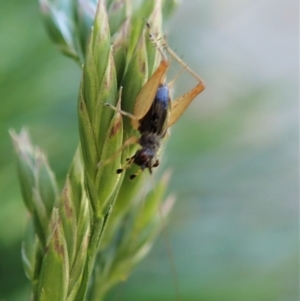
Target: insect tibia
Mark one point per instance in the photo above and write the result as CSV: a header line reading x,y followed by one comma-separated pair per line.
x,y
185,66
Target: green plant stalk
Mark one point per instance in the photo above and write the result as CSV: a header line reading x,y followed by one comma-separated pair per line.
x,y
83,241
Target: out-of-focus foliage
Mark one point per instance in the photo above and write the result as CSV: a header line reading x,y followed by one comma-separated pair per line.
x,y
234,233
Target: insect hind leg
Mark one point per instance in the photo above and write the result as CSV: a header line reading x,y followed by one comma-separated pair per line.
x,y
172,82
156,44
185,66
180,104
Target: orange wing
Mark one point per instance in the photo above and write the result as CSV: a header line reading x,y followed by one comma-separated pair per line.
x,y
146,96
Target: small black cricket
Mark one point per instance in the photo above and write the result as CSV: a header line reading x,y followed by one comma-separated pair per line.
x,y
154,112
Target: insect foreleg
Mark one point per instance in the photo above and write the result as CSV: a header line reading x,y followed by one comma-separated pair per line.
x,y
120,111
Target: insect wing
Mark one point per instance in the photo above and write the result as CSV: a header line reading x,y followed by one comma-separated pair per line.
x,y
146,96
180,104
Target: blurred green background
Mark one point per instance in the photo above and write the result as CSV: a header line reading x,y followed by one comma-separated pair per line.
x,y
234,231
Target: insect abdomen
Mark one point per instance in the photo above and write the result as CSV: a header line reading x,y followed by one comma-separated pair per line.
x,y
156,119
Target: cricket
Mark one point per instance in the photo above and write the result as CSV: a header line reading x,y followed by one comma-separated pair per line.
x,y
154,112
